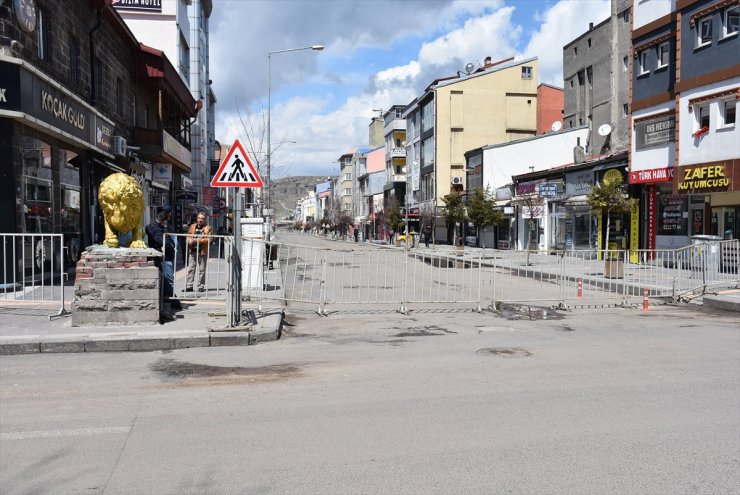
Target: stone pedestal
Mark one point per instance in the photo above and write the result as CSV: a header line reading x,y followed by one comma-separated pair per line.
x,y
116,287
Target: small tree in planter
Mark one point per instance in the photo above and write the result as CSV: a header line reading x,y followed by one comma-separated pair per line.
x,y
607,197
393,219
453,213
535,206
482,213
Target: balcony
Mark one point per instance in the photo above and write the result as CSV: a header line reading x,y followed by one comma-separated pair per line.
x,y
158,145
398,152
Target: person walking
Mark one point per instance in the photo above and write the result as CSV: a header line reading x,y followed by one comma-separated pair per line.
x,y
427,234
198,253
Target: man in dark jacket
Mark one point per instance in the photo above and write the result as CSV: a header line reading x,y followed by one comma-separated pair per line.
x,y
155,234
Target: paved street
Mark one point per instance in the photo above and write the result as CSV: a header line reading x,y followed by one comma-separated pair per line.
x,y
615,401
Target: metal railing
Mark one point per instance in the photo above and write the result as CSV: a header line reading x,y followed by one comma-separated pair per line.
x,y
198,275
387,275
33,270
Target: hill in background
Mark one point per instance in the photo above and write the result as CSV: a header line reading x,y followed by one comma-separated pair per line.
x,y
287,190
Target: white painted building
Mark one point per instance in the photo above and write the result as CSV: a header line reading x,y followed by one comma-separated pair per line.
x,y
180,29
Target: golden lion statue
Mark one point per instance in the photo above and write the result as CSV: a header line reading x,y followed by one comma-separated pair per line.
x,y
122,201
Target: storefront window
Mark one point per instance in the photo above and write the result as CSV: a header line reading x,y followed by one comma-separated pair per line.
x,y
581,227
672,214
38,192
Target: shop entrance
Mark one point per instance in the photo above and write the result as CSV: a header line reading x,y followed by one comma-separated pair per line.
x,y
726,222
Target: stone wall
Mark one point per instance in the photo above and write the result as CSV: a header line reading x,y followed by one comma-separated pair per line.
x,y
116,287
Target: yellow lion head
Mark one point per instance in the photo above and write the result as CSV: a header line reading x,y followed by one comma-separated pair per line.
x,y
122,201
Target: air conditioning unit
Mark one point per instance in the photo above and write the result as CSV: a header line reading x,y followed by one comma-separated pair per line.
x,y
120,147
457,181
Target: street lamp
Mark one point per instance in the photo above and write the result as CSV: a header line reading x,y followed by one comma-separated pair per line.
x,y
317,48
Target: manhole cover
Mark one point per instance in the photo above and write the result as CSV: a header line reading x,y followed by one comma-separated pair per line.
x,y
510,352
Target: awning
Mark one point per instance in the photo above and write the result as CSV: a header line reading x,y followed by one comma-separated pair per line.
x,y
503,202
581,199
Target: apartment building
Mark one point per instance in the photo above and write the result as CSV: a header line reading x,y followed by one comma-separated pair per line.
x,y
395,157
180,29
685,85
345,189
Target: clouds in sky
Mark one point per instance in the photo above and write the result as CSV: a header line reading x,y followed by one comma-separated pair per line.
x,y
378,53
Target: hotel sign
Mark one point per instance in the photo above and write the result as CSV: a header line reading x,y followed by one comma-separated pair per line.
x,y
654,132
142,5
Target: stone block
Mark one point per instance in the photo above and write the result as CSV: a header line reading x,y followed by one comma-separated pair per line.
x,y
131,294
19,345
87,318
229,339
186,342
106,344
145,317
61,345
149,344
89,305
114,275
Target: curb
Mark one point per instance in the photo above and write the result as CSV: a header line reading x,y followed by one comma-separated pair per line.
x,y
269,329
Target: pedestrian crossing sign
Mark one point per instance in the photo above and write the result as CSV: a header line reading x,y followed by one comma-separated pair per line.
x,y
236,170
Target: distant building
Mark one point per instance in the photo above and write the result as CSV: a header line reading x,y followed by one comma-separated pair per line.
x,y
395,157
550,101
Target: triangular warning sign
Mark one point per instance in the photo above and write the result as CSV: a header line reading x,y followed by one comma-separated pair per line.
x,y
236,170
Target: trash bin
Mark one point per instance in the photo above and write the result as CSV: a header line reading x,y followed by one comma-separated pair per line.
x,y
705,257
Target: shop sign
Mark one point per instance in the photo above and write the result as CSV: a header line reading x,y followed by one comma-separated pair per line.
x,y
524,188
697,179
186,197
673,215
162,172
103,134
579,183
10,95
635,232
141,5
651,204
548,190
652,175
657,131
208,195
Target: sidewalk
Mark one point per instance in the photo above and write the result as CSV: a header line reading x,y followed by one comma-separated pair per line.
x,y
27,329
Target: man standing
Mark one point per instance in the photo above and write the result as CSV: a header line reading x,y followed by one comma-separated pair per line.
x,y
198,252
155,235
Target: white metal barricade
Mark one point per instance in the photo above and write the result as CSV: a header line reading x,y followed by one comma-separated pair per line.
x,y
33,270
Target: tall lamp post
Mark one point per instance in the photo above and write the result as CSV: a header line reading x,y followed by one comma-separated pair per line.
x,y
317,48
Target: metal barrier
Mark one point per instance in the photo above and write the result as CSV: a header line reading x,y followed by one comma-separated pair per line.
x,y
33,270
198,275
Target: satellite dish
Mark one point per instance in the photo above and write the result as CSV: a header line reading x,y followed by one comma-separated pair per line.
x,y
605,130
403,170
556,126
469,68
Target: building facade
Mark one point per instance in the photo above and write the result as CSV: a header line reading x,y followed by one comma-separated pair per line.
x,y
77,109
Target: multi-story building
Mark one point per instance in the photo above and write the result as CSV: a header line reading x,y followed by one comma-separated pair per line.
x,y
596,78
74,107
494,104
180,29
685,140
395,157
345,186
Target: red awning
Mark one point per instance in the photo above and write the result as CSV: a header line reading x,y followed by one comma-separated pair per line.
x,y
153,64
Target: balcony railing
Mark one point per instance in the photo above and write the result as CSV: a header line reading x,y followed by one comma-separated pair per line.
x,y
398,152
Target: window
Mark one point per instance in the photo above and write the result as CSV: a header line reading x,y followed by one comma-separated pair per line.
x,y
625,109
626,15
704,32
42,35
663,54
347,176
643,58
702,117
146,116
626,64
589,77
134,110
731,21
119,96
74,60
575,51
526,72
571,83
727,113
399,169
580,78
589,42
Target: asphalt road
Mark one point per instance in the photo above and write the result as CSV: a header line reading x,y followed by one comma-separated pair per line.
x,y
615,401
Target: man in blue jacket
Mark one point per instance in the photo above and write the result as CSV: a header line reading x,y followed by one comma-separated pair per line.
x,y
155,234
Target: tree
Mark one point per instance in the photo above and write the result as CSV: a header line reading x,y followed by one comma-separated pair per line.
x,y
481,211
453,213
532,207
393,219
610,196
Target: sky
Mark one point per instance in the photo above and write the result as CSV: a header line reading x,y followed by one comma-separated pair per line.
x,y
378,53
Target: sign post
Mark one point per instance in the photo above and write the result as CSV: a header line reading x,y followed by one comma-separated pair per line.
x,y
235,171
